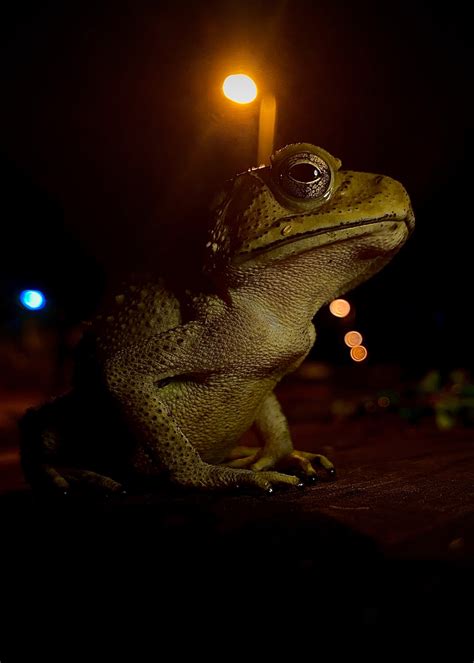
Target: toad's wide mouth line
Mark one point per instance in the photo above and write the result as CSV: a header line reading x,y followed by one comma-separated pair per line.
x,y
242,257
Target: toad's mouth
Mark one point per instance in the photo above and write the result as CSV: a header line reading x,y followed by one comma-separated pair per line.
x,y
335,235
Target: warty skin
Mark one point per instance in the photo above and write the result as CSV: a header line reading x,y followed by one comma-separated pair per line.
x,y
187,374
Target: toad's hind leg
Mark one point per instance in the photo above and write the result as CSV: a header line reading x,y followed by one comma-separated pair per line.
x,y
46,460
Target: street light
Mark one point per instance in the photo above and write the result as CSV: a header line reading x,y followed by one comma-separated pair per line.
x,y
241,89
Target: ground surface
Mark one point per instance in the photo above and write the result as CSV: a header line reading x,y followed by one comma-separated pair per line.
x,y
389,542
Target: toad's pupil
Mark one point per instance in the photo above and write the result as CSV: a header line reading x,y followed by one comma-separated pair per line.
x,y
304,172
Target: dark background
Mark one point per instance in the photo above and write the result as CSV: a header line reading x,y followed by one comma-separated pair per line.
x,y
115,133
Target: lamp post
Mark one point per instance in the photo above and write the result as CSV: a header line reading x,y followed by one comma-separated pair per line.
x,y
266,128
241,89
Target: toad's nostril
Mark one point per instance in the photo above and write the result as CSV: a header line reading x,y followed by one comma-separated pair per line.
x,y
410,220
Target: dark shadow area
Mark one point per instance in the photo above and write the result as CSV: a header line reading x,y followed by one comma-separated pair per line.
x,y
220,565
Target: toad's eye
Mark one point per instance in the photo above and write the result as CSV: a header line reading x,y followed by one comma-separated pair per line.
x,y
304,172
304,176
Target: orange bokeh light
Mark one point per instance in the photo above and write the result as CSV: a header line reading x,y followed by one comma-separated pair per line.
x,y
358,353
340,308
353,338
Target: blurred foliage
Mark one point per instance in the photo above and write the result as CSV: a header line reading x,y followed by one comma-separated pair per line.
x,y
449,398
446,397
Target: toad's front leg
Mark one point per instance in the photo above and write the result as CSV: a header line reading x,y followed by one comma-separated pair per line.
x,y
167,449
277,451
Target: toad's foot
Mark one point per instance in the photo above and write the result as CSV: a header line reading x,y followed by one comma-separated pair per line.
x,y
205,476
300,462
64,478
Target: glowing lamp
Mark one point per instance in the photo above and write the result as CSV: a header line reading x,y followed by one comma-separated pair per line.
x,y
240,88
33,300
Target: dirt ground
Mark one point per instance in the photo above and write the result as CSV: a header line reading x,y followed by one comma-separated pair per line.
x,y
388,546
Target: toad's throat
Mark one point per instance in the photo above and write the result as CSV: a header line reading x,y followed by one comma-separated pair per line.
x,y
333,231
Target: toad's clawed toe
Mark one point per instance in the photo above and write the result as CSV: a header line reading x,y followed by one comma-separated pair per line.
x,y
67,479
302,463
299,464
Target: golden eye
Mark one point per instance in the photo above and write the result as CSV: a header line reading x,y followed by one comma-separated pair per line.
x,y
305,176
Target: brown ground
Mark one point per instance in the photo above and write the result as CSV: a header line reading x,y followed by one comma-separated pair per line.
x,y
393,534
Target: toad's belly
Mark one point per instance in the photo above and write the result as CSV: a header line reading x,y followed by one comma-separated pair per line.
x,y
215,415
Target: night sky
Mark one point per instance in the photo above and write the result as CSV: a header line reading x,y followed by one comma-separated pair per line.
x,y
115,133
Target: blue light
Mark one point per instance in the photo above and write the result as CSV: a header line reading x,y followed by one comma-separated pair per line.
x,y
32,299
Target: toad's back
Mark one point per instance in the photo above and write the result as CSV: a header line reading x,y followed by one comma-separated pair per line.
x,y
136,313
